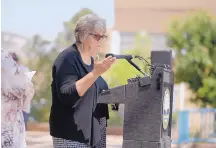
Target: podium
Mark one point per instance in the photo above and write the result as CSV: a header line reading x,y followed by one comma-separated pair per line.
x,y
148,106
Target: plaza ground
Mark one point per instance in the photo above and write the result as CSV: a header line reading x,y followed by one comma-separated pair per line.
x,y
37,139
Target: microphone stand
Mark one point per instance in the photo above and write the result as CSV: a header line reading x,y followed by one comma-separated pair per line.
x,y
134,65
115,107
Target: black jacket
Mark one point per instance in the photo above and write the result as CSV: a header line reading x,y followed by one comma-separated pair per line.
x,y
73,117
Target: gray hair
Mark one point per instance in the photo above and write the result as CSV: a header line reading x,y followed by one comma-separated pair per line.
x,y
88,24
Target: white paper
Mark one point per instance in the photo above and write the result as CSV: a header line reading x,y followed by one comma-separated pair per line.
x,y
30,74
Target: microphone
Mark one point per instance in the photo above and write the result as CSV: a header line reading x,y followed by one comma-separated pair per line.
x,y
127,56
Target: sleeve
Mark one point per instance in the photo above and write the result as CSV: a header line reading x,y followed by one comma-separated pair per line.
x,y
15,84
66,77
29,94
29,90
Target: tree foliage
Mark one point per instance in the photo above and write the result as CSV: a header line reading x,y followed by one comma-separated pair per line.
x,y
40,58
121,71
194,41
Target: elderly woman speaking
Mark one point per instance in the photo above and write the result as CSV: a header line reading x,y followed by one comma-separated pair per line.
x,y
76,120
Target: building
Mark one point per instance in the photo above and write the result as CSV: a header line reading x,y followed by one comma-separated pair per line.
x,y
153,17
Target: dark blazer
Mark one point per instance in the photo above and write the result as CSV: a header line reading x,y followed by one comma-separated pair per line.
x,y
73,117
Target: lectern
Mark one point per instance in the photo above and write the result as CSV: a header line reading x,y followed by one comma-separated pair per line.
x,y
148,105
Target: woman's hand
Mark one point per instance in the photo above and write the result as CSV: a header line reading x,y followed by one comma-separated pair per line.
x,y
83,84
103,66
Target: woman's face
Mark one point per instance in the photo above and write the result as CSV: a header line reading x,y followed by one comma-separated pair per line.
x,y
94,40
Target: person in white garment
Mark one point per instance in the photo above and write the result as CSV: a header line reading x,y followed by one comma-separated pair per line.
x,y
26,102
16,86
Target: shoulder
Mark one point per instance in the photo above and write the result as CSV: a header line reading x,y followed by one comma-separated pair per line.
x,y
69,54
8,64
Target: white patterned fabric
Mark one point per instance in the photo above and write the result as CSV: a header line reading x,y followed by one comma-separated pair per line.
x,y
63,143
15,87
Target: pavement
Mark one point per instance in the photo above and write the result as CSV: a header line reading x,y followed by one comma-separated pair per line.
x,y
44,140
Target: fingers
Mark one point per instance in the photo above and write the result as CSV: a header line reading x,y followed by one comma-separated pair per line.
x,y
109,60
104,65
106,60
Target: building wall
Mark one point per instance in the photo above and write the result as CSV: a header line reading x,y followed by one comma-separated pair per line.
x,y
153,16
177,4
158,40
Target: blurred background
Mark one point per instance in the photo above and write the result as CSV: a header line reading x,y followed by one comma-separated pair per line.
x,y
38,30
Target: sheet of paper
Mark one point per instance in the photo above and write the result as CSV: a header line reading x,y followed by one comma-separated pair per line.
x,y
30,74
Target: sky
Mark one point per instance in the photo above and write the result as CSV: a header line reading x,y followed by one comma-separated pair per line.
x,y
46,17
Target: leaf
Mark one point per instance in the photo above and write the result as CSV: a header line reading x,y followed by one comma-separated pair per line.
x,y
196,65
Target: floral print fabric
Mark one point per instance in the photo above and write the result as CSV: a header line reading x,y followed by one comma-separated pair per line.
x,y
15,87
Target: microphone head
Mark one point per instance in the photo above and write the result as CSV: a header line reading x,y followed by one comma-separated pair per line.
x,y
127,56
109,54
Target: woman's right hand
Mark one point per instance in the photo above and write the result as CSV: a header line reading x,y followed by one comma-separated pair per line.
x,y
103,66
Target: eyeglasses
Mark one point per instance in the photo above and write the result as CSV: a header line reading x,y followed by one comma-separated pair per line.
x,y
98,37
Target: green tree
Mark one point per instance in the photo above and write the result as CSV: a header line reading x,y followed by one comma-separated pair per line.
x,y
40,58
194,41
66,37
121,71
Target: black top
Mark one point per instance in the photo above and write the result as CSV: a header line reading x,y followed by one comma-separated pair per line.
x,y
73,117
101,109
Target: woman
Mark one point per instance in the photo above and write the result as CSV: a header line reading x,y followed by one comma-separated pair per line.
x,y
26,102
76,121
15,87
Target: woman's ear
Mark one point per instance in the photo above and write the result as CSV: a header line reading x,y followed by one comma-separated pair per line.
x,y
82,36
